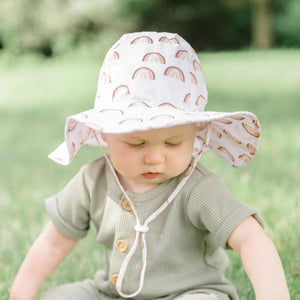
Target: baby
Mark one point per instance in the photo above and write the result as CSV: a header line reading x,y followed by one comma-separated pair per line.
x,y
165,220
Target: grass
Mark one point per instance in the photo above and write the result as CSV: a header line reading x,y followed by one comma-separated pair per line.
x,y
37,95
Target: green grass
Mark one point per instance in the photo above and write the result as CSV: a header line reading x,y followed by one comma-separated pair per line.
x,y
37,95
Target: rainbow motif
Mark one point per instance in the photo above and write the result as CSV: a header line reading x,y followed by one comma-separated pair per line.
x,y
111,110
193,78
224,121
85,136
187,98
245,158
224,152
143,73
154,57
201,101
162,117
72,125
238,118
197,66
120,91
256,123
175,72
182,54
142,39
216,132
164,39
167,104
115,56
251,130
232,137
251,148
131,120
117,45
139,104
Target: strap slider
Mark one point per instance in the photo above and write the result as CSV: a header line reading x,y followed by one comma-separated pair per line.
x,y
141,228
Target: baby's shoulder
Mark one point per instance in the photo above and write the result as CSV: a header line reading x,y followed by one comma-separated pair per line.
x,y
95,169
201,174
95,164
201,171
203,179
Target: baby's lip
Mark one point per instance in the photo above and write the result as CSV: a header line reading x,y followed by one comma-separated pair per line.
x,y
151,175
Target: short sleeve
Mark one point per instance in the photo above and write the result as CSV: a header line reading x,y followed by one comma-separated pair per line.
x,y
68,210
212,207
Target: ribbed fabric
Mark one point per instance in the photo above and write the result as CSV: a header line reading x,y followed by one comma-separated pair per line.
x,y
184,242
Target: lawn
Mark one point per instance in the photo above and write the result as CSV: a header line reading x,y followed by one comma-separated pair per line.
x,y
37,95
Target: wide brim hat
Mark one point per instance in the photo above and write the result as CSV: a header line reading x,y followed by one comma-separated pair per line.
x,y
152,80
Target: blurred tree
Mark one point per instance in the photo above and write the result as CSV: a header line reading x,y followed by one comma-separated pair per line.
x,y
220,24
208,25
287,24
58,26
262,33
52,25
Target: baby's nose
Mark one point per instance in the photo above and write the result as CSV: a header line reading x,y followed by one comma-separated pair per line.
x,y
154,156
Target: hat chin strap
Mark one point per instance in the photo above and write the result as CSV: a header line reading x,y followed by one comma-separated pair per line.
x,y
142,229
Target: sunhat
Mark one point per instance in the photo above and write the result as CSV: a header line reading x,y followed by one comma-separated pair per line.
x,y
152,80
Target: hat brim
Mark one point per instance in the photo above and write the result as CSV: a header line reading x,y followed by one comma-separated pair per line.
x,y
234,136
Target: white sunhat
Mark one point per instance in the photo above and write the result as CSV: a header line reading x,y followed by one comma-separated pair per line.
x,y
152,80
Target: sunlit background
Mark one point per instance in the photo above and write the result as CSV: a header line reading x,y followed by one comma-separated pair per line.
x,y
50,55
53,27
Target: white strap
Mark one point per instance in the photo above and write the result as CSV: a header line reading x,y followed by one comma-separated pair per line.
x,y
141,229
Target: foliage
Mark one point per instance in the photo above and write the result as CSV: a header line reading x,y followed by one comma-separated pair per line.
x,y
54,27
208,25
32,121
287,25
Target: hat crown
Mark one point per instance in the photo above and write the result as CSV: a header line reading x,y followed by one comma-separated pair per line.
x,y
152,80
152,69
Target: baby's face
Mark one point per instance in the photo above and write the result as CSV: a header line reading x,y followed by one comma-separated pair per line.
x,y
147,158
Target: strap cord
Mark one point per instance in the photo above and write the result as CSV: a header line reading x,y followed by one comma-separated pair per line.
x,y
142,229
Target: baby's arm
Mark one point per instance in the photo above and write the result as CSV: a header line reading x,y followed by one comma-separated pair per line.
x,y
260,259
49,249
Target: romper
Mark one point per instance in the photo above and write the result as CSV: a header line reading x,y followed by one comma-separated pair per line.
x,y
186,242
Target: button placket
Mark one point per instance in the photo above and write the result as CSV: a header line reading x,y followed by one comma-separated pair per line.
x,y
126,204
121,245
124,230
114,278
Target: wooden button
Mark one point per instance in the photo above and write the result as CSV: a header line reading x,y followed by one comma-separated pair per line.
x,y
114,278
121,245
126,205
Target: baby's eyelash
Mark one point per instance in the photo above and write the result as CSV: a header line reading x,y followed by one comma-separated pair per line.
x,y
168,144
173,144
136,145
